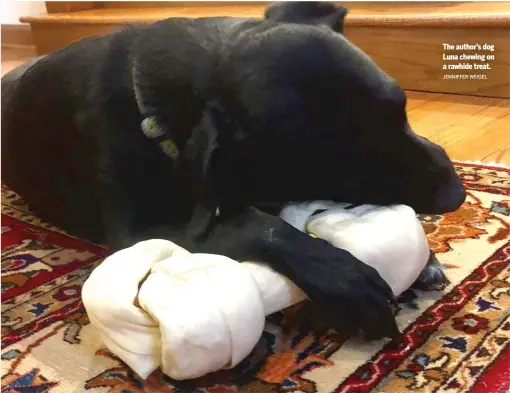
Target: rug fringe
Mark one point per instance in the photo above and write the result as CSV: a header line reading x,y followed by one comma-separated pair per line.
x,y
492,163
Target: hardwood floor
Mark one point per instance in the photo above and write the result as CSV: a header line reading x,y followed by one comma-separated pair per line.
x,y
470,128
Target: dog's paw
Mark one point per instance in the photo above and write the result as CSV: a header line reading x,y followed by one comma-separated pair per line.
x,y
351,296
432,277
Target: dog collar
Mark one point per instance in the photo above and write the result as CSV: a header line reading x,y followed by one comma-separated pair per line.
x,y
150,125
152,130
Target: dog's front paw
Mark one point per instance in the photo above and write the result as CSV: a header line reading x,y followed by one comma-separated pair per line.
x,y
351,295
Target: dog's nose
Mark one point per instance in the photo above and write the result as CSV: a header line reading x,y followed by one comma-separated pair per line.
x,y
450,197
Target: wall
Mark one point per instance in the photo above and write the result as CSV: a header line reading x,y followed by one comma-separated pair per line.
x,y
12,10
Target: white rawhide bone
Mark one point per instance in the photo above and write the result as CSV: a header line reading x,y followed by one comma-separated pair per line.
x,y
199,313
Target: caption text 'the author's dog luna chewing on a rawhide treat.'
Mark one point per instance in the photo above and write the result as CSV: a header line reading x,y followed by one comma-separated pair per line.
x,y
467,57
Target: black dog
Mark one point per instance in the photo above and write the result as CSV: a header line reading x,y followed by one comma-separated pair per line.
x,y
147,132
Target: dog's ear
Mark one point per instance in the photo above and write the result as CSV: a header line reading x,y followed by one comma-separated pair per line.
x,y
308,12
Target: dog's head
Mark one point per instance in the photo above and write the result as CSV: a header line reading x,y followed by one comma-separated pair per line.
x,y
301,113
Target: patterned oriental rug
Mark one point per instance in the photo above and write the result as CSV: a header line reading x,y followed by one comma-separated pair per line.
x,y
454,341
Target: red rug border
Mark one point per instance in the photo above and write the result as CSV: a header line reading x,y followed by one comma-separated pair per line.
x,y
352,384
490,380
482,165
74,241
59,239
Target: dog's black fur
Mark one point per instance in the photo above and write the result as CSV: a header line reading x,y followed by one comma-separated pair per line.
x,y
262,111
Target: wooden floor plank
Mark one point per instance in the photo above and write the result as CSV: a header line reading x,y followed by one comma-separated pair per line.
x,y
449,118
501,156
469,128
468,124
486,141
425,118
505,157
448,121
416,99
